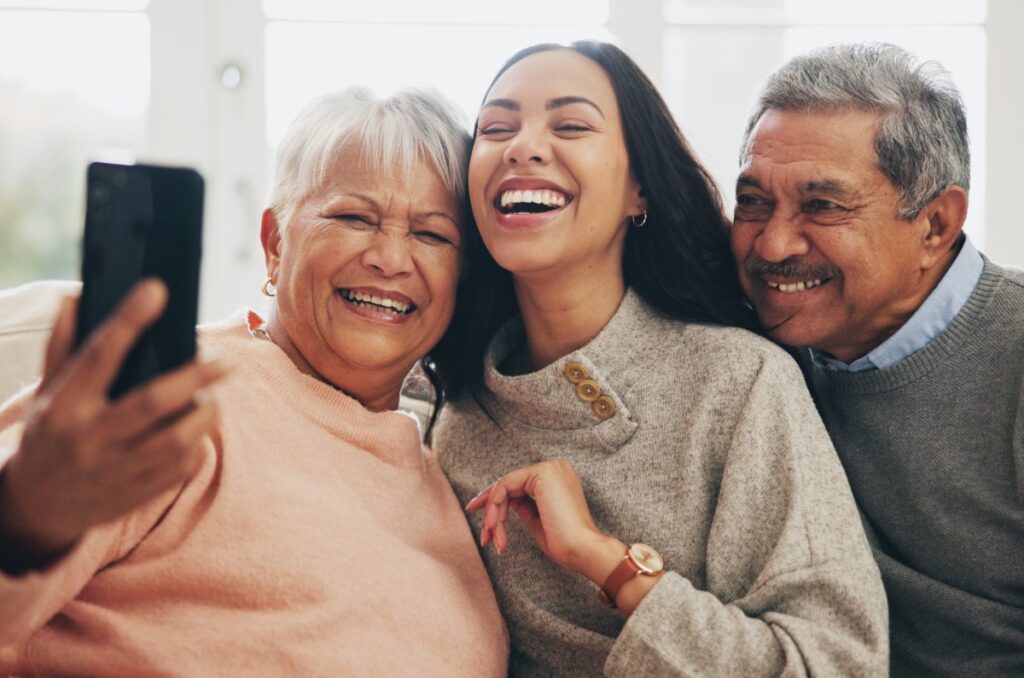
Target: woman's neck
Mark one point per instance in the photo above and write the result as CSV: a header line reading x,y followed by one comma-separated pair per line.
x,y
563,313
375,397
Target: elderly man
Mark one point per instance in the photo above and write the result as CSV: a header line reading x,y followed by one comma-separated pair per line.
x,y
849,208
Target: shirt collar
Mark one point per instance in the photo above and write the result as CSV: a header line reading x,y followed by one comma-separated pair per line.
x,y
929,321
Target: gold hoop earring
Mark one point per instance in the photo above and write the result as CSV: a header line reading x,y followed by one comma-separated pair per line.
x,y
643,219
268,288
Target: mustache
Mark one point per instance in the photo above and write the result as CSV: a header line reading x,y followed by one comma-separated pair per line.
x,y
788,268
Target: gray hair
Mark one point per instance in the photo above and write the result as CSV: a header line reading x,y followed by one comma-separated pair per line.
x,y
922,139
392,133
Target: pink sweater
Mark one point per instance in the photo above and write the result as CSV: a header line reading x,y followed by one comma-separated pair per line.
x,y
317,539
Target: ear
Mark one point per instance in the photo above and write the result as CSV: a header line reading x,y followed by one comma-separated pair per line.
x,y
944,219
270,236
636,196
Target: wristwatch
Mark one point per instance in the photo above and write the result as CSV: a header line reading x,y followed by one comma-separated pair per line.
x,y
640,560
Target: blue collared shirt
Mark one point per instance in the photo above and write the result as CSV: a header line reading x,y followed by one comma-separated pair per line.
x,y
928,321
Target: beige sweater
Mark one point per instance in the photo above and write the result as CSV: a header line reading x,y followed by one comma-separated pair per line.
x,y
317,539
714,456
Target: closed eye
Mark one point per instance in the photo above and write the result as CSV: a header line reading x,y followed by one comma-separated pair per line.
x,y
750,207
433,237
493,130
821,205
354,220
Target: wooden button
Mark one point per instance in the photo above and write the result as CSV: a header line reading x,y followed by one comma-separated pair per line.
x,y
588,391
576,373
604,407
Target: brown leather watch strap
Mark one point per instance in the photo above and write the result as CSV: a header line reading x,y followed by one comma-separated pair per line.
x,y
623,572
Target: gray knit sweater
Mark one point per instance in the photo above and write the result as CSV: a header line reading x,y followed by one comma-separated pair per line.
x,y
934,449
715,457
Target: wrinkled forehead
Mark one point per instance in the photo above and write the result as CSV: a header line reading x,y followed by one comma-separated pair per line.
x,y
813,146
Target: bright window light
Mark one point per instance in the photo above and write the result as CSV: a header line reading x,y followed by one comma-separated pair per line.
x,y
82,5
521,12
824,12
304,60
72,84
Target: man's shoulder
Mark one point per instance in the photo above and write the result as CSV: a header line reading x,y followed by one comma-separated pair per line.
x,y
1011,274
1014,276
1004,296
743,347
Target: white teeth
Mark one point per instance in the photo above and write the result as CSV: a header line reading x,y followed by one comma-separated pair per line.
x,y
383,302
540,197
795,287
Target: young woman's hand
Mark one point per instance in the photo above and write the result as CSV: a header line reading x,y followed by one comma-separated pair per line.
x,y
83,459
549,498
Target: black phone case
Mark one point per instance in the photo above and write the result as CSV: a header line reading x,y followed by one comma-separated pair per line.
x,y
143,221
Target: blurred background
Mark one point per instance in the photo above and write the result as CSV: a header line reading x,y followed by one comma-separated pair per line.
x,y
213,84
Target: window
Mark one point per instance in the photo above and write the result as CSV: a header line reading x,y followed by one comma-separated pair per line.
x,y
313,47
214,83
72,83
712,98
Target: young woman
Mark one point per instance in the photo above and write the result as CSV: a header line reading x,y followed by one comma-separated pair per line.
x,y
615,406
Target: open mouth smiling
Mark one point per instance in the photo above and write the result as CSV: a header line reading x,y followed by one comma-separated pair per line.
x,y
394,304
535,201
799,286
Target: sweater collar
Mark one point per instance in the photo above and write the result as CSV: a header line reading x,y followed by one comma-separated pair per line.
x,y
929,321
936,353
391,436
549,399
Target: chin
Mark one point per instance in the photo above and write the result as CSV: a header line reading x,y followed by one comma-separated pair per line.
x,y
524,259
370,353
796,336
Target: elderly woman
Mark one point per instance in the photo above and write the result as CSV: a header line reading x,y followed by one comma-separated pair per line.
x,y
265,511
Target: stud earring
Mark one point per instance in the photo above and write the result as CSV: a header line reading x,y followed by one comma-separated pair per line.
x,y
643,219
268,288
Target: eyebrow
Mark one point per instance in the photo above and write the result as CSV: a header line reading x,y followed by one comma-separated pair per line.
x,y
507,104
439,213
558,102
828,187
550,105
831,187
749,182
419,216
364,198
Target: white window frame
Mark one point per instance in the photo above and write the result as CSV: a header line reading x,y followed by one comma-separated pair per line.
x,y
196,120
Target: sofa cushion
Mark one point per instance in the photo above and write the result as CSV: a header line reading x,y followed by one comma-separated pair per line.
x,y
26,319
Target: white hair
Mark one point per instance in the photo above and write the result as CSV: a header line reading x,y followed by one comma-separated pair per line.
x,y
392,133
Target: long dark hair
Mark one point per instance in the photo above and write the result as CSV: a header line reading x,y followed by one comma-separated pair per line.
x,y
679,262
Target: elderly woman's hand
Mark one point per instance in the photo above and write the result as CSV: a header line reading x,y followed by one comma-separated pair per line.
x,y
85,460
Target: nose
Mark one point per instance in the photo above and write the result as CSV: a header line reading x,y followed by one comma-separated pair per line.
x,y
389,253
781,238
528,146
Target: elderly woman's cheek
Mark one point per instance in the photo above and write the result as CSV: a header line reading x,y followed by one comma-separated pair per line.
x,y
442,268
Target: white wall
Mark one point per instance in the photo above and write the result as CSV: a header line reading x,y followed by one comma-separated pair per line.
x,y
1004,229
707,68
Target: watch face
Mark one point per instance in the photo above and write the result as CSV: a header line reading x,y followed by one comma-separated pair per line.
x,y
648,559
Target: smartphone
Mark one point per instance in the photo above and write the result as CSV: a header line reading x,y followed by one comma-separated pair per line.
x,y
143,221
